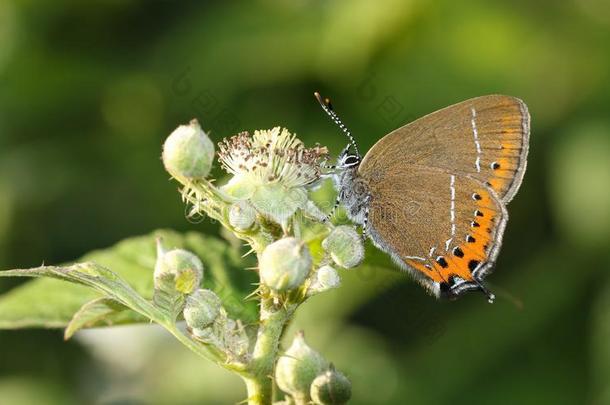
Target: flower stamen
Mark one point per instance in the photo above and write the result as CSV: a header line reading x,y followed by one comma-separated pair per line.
x,y
271,156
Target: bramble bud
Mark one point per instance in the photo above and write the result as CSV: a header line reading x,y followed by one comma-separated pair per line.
x,y
331,388
179,269
285,264
298,367
235,338
242,215
326,278
345,246
188,152
201,309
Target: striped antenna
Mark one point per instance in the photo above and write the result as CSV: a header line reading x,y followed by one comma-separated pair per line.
x,y
328,108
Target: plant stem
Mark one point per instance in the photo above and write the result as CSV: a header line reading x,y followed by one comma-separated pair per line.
x,y
260,370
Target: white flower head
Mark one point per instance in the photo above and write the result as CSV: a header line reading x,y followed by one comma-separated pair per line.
x,y
271,156
271,168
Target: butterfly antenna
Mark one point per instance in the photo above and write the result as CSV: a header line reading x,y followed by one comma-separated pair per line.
x,y
505,294
328,109
490,296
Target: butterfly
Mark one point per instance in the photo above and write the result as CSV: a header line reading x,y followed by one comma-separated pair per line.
x,y
433,193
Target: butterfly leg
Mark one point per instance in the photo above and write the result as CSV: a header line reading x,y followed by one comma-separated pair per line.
x,y
332,212
365,220
330,174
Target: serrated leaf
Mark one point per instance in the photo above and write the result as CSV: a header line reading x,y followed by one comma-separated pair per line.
x,y
167,298
101,311
97,277
51,303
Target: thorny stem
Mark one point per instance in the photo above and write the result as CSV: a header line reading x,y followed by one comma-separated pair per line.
x,y
259,381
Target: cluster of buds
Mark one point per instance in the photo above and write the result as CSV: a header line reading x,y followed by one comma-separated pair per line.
x,y
271,173
178,276
305,376
209,323
178,273
266,203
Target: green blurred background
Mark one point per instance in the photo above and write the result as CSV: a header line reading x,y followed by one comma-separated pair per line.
x,y
89,90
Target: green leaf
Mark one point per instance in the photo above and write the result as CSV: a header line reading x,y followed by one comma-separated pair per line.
x,y
52,303
104,311
97,277
167,299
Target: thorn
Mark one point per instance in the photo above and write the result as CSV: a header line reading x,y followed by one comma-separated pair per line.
x,y
251,295
247,253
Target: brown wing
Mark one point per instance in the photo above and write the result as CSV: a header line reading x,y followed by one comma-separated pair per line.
x,y
439,187
485,137
446,229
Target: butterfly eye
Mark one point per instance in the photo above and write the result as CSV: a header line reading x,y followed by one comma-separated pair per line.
x,y
351,160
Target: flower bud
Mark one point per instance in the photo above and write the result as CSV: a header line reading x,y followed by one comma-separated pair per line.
x,y
297,368
188,152
285,264
201,309
331,388
242,215
208,335
345,246
235,338
326,278
177,269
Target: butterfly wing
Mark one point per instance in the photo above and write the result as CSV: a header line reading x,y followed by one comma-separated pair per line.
x,y
486,138
446,229
437,198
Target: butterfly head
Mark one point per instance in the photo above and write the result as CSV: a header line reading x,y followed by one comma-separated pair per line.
x,y
348,160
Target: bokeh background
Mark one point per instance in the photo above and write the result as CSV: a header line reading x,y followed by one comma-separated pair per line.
x,y
89,90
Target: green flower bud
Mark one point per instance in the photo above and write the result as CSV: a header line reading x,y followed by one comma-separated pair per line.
x,y
235,338
285,264
331,388
242,215
188,152
178,270
298,367
201,309
345,246
208,335
326,278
